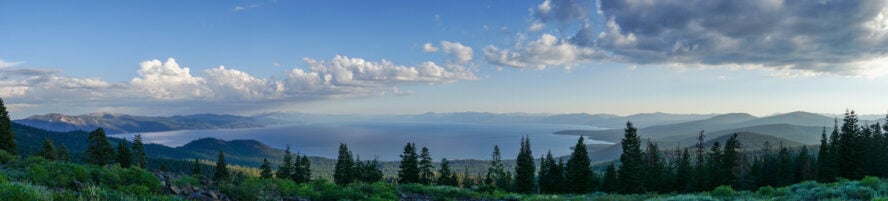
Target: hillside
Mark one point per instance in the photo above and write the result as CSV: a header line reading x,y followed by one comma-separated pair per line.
x,y
123,123
754,141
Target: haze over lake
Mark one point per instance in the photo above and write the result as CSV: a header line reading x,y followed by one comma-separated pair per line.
x,y
386,140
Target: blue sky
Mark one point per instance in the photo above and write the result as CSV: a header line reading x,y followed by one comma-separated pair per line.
x,y
553,56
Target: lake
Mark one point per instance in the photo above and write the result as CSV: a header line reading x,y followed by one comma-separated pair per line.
x,y
387,140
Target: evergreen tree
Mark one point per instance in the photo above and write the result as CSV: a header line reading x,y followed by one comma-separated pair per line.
x,y
579,172
124,157
7,137
426,169
48,150
713,176
408,170
683,173
344,170
524,170
552,179
371,171
303,167
631,172
99,150
496,173
139,152
784,168
730,164
445,175
285,170
804,169
543,174
848,153
196,170
221,168
654,170
825,171
611,182
699,173
64,155
265,169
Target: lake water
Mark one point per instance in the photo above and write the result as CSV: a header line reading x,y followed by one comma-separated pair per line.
x,y
387,140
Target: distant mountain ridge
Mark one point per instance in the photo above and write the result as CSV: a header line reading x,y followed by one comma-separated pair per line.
x,y
124,123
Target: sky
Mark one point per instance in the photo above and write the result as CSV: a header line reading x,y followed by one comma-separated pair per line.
x,y
403,57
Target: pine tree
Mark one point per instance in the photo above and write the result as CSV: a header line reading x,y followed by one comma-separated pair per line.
x,y
408,170
285,170
730,164
543,174
445,174
64,155
804,169
48,150
848,153
655,169
371,171
552,176
631,171
99,150
699,173
7,137
683,173
426,170
124,157
265,172
196,170
825,172
344,170
296,175
139,152
524,170
714,160
611,182
304,167
579,172
784,168
496,172
221,168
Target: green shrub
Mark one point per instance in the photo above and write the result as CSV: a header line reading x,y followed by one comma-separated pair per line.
x,y
55,174
723,191
187,179
16,192
870,181
766,191
7,158
140,179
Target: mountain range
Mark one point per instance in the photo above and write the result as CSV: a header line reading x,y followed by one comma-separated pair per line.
x,y
124,123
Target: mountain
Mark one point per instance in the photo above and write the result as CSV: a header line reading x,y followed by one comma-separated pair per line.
x,y
648,119
802,127
578,118
123,123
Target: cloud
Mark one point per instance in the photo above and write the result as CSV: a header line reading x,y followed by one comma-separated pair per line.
x,y
458,52
536,26
547,51
175,88
830,36
168,81
249,6
7,64
428,47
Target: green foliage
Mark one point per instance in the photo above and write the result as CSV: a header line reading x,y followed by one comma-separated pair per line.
x,y
99,151
631,173
7,137
345,164
408,169
266,170
426,169
221,168
524,170
48,150
285,170
139,158
496,172
551,175
723,191
124,157
187,179
7,158
21,192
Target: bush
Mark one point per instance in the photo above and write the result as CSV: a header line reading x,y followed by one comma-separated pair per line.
x,y
187,179
870,181
766,191
723,191
22,192
7,158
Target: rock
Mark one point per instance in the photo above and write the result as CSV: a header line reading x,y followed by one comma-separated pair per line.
x,y
175,190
